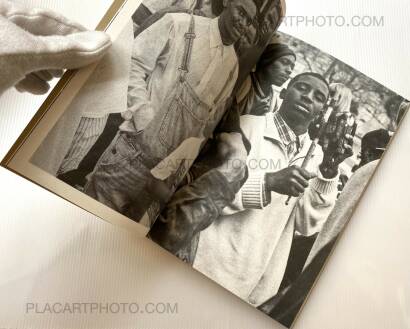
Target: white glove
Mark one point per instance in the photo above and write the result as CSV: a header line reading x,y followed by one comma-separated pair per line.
x,y
36,44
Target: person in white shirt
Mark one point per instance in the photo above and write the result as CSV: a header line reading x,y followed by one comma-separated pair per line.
x,y
246,249
183,71
150,11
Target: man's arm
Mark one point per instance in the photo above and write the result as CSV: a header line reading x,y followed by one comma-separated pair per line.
x,y
192,209
314,206
251,195
148,47
293,181
195,206
316,198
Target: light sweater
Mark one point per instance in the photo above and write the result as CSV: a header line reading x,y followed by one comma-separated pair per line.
x,y
247,249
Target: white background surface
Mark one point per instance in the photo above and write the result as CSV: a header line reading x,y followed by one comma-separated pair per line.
x,y
51,251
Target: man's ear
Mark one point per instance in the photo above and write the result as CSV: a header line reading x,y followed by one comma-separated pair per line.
x,y
282,94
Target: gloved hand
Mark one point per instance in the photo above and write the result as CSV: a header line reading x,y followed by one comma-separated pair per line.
x,y
36,44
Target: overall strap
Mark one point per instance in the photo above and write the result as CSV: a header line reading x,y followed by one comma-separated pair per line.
x,y
189,42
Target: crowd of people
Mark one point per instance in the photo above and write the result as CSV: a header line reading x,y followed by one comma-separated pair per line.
x,y
240,232
187,61
233,161
215,154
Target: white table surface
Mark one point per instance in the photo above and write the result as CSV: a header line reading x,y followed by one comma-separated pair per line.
x,y
51,251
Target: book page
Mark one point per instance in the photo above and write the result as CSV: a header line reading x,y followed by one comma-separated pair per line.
x,y
261,220
126,141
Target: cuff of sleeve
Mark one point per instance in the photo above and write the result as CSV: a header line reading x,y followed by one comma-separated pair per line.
x,y
128,124
323,185
137,118
253,191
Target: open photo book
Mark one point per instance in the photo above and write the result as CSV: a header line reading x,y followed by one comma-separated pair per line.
x,y
241,150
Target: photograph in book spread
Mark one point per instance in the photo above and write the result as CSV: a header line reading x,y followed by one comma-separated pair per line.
x,y
184,60
241,150
262,208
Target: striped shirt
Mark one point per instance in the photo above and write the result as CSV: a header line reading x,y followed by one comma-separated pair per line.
x,y
289,139
87,133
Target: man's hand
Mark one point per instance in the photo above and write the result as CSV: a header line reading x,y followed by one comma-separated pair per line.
x,y
37,44
289,181
336,143
232,154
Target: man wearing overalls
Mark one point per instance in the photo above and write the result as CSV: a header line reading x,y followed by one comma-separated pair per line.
x,y
183,71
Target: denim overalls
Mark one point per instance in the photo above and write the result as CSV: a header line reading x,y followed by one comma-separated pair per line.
x,y
123,173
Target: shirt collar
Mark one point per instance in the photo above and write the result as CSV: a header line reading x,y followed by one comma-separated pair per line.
x,y
277,129
215,35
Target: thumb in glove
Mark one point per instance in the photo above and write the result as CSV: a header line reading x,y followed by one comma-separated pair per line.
x,y
36,44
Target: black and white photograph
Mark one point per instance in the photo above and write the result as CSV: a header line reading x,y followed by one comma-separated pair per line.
x,y
241,150
264,204
204,164
185,61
